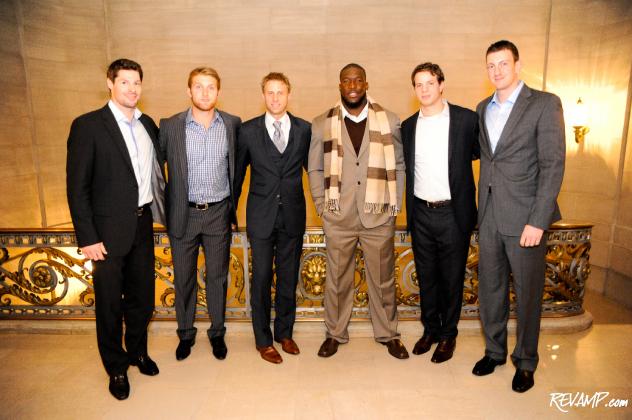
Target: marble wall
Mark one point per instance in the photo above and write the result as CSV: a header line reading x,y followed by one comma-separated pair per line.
x,y
54,55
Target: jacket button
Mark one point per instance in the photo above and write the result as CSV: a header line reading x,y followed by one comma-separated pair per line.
x,y
359,183
357,163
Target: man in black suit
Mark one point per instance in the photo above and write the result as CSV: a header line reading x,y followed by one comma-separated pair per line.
x,y
199,147
440,142
275,145
115,185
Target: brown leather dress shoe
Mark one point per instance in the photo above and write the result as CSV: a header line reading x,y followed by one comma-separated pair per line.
x,y
444,350
270,354
289,346
328,348
396,348
423,344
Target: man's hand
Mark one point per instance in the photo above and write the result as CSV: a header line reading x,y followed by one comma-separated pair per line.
x,y
94,252
531,236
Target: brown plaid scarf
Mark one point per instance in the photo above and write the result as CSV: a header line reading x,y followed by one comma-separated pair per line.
x,y
381,186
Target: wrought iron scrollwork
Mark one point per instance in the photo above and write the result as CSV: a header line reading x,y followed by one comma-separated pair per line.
x,y
41,274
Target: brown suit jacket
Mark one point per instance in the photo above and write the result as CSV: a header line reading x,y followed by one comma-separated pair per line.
x,y
354,167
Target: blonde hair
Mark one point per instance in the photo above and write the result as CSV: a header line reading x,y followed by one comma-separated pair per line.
x,y
205,71
276,76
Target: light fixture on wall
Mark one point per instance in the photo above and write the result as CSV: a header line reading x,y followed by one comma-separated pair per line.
x,y
580,118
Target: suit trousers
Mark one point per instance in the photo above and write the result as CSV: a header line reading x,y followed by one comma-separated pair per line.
x,y
440,252
124,289
285,250
377,246
499,255
210,229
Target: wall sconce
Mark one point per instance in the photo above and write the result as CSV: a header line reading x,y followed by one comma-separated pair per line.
x,y
580,118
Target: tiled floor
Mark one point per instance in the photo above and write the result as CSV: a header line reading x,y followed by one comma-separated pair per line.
x,y
59,376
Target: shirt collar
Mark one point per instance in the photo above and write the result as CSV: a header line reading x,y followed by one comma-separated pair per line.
x,y
189,117
512,98
118,114
360,117
445,112
285,120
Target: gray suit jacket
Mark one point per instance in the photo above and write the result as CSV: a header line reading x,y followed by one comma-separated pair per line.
x,y
353,181
174,152
525,172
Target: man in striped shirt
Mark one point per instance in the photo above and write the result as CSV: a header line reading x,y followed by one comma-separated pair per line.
x,y
198,145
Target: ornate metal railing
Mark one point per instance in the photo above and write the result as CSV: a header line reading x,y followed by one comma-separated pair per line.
x,y
43,276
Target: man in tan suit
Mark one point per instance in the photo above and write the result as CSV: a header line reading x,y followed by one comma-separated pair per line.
x,y
356,176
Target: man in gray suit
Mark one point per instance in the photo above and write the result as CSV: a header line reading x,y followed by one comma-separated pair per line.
x,y
356,175
199,147
522,164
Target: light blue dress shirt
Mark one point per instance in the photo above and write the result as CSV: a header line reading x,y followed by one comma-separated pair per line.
x,y
498,113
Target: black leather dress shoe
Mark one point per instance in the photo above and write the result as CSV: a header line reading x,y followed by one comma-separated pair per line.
x,y
119,386
145,365
522,380
184,349
423,344
396,348
328,348
219,347
444,350
486,365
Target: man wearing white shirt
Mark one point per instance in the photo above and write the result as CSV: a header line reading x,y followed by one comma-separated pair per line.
x,y
440,141
115,189
275,146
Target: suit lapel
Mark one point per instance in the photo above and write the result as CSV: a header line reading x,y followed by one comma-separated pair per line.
x,y
117,137
292,145
180,138
516,115
484,131
230,136
453,131
413,140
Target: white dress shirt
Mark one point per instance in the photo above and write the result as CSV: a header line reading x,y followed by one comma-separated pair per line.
x,y
431,156
356,118
285,126
140,148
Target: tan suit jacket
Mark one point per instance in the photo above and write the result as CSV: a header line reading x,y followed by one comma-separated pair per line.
x,y
353,181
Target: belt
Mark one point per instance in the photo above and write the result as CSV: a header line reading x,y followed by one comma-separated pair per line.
x,y
434,204
204,206
142,209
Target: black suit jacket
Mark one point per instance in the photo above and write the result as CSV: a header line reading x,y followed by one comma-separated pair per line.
x,y
271,183
100,183
174,151
463,147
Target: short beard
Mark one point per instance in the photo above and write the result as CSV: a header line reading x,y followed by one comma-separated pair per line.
x,y
357,105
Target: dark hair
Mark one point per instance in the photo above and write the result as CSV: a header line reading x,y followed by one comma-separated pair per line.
x,y
278,77
355,66
123,64
204,71
504,45
431,68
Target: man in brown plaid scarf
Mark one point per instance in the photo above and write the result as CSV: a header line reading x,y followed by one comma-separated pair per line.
x,y
356,176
